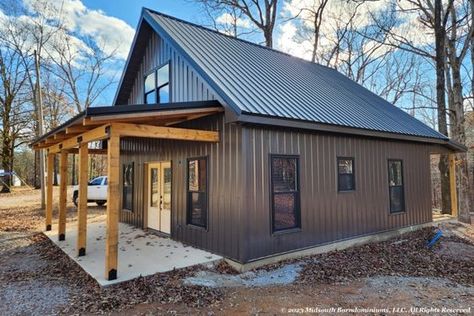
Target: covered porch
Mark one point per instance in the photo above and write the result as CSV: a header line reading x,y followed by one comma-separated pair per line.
x,y
139,254
108,125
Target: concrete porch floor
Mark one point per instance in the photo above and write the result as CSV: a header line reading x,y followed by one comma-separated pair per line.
x,y
140,253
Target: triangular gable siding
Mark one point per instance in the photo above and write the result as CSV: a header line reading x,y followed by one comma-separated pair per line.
x,y
186,84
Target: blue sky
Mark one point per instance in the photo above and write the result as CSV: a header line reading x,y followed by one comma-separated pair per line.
x,y
129,11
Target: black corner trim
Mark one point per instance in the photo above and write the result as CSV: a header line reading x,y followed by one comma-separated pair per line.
x,y
48,228
60,146
82,252
62,237
107,129
79,139
112,275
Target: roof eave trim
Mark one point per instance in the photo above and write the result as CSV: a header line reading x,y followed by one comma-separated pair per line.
x,y
456,147
330,128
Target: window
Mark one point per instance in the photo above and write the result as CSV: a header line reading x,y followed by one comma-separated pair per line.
x,y
96,181
127,183
157,85
345,174
197,192
285,193
395,184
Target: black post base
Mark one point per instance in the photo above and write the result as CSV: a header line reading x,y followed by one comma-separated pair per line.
x,y
82,252
48,228
62,237
112,275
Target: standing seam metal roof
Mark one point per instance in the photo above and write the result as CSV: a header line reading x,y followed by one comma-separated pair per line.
x,y
262,81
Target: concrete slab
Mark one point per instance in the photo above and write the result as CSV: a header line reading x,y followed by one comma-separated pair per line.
x,y
140,253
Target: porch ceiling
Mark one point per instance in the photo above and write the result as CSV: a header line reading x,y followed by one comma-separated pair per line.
x,y
93,124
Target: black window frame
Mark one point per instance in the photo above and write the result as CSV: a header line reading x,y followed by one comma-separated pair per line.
x,y
296,193
403,202
339,189
131,187
189,194
157,88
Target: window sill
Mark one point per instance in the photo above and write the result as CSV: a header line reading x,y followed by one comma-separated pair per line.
x,y
287,231
346,191
127,210
397,213
196,227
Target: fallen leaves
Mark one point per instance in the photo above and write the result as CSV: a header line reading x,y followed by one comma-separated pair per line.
x,y
405,256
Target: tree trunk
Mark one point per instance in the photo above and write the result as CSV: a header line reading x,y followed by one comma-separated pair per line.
x,y
6,147
440,38
457,120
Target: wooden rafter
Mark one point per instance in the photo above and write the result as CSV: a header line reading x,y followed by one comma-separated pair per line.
x,y
76,129
97,133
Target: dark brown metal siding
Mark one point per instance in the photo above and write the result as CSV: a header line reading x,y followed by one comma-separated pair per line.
x,y
326,214
225,184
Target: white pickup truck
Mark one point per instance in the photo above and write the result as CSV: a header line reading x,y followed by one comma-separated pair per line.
x,y
96,191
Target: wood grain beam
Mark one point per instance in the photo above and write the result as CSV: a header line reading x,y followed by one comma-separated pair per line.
x,y
82,199
49,192
77,129
97,133
113,204
62,195
149,131
92,151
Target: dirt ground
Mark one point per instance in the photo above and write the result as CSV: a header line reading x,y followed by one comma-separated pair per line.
x,y
398,276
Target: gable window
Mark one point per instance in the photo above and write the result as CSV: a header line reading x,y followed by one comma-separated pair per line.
x,y
197,192
127,186
395,183
285,192
157,85
345,174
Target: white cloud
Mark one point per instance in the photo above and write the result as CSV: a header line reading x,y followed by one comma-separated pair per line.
x,y
227,19
109,33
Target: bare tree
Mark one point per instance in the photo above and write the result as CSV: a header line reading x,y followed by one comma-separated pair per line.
x,y
81,68
435,18
29,36
457,46
262,13
12,80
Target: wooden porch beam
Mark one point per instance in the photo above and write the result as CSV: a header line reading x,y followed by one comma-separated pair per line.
x,y
76,129
82,202
91,151
62,195
150,131
97,133
49,192
113,204
452,185
59,135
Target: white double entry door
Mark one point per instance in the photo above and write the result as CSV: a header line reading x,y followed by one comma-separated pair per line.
x,y
159,196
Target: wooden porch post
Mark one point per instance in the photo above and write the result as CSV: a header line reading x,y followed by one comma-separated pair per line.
x,y
82,200
49,192
62,194
452,185
113,196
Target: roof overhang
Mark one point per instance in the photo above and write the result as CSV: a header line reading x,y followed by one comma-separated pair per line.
x,y
153,115
441,144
